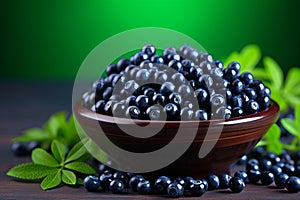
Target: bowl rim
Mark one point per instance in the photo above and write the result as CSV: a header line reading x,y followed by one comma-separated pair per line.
x,y
79,109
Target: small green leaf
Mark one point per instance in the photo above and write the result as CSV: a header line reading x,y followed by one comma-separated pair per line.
x,y
292,80
292,99
52,180
79,181
273,139
30,171
68,177
58,150
41,157
290,126
80,167
297,118
260,74
33,134
250,56
54,123
274,69
76,152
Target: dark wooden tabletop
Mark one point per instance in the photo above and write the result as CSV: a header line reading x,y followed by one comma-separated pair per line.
x,y
27,104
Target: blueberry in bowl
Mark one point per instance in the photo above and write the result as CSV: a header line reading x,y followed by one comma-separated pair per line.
x,y
211,114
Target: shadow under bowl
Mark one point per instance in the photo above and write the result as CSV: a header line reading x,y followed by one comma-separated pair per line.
x,y
221,142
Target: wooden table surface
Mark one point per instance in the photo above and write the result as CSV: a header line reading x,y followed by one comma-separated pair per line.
x,y
27,104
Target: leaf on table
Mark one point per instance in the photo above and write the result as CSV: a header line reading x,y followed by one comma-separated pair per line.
x,y
76,152
33,134
292,80
68,177
52,180
290,126
30,171
42,157
276,74
80,167
58,150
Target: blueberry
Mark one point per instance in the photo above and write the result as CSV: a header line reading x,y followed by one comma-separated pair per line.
x,y
292,184
116,186
250,92
265,164
188,181
254,176
111,69
260,152
156,113
161,184
143,187
142,102
160,77
236,184
105,180
32,145
247,78
201,115
206,67
122,176
202,97
184,90
230,73
109,106
222,113
167,88
157,59
276,170
149,49
203,56
197,189
213,182
224,181
264,102
237,86
150,92
259,87
107,93
158,99
91,183
175,64
19,148
251,107
169,50
178,78
219,64
187,64
288,169
175,98
243,175
206,81
180,181
130,101
217,100
140,57
172,56
195,72
242,160
236,101
186,113
267,177
205,184
122,64
237,112
280,180
134,181
118,109
133,112
175,190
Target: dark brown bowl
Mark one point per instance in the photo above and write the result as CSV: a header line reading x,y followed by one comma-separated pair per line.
x,y
238,137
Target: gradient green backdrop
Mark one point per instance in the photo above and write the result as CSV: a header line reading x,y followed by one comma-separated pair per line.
x,y
49,39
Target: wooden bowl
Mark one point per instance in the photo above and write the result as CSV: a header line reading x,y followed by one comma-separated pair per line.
x,y
238,137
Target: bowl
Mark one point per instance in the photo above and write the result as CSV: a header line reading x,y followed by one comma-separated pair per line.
x,y
237,137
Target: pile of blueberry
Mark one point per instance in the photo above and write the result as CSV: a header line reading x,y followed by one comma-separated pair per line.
x,y
117,182
178,85
261,168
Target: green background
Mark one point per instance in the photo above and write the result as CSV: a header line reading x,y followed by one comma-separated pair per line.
x,y
44,40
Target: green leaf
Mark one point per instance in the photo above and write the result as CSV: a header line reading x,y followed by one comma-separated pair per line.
x,y
58,150
54,123
292,80
260,74
290,126
76,152
30,171
250,56
52,180
79,181
292,99
68,177
33,134
80,167
275,71
273,139
234,56
297,117
41,157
